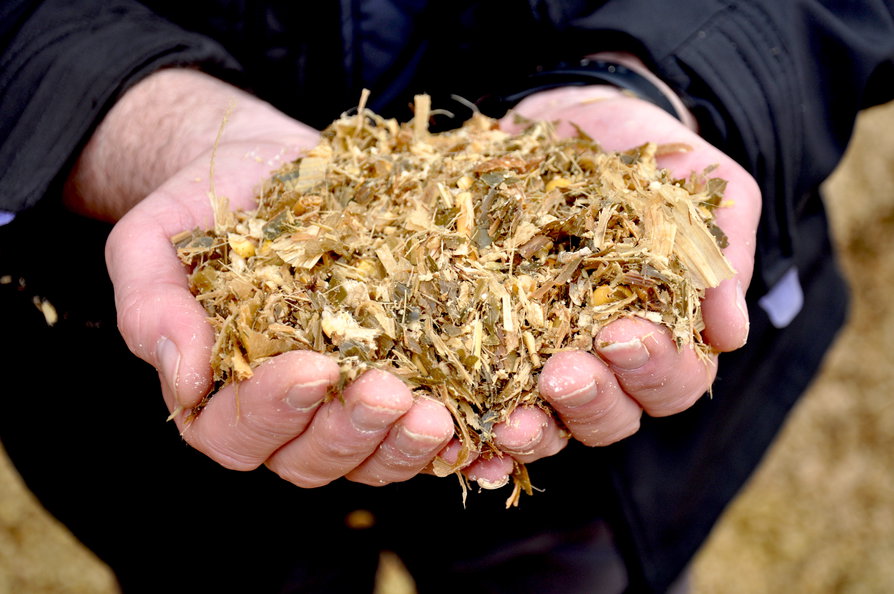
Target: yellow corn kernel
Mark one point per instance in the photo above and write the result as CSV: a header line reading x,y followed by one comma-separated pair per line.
x,y
602,295
368,268
557,182
465,182
241,244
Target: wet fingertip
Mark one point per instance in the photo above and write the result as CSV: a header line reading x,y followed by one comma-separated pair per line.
x,y
428,424
450,452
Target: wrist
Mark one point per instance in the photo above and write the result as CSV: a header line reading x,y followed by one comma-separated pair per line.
x,y
160,125
618,70
636,65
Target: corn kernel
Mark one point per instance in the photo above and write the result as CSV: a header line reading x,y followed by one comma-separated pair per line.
x,y
602,295
241,244
557,182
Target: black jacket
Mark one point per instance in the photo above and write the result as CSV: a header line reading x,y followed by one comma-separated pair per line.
x,y
776,85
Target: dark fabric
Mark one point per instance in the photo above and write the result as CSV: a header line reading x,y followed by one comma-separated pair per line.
x,y
62,66
775,84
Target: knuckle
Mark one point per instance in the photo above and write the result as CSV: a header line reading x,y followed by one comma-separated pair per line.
x,y
609,437
391,456
675,403
231,460
269,430
220,451
337,450
597,411
549,447
129,320
607,425
234,462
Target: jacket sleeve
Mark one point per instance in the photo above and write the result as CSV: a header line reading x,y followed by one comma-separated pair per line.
x,y
62,66
776,84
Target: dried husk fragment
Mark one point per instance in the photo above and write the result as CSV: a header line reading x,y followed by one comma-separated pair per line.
x,y
458,261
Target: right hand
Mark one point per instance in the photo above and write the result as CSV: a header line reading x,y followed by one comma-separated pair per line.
x,y
376,433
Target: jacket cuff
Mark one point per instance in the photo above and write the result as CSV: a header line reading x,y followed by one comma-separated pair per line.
x,y
587,71
757,76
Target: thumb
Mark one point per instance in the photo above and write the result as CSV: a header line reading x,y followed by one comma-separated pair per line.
x,y
160,320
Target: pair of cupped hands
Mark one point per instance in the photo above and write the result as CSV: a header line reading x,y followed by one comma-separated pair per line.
x,y
147,167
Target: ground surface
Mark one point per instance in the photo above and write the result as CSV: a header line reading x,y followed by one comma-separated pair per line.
x,y
817,517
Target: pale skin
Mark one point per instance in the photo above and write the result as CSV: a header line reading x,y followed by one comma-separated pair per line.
x,y
147,167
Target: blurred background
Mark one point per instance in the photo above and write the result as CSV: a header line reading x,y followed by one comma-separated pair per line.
x,y
817,517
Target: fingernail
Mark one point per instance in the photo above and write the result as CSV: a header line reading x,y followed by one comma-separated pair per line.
x,y
306,397
168,358
415,444
577,397
524,448
366,417
742,306
491,485
628,355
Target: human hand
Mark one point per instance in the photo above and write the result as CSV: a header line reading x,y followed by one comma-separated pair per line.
x,y
281,417
635,367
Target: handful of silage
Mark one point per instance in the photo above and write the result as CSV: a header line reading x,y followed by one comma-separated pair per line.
x,y
457,261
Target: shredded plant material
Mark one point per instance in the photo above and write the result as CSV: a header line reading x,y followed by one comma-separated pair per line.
x,y
458,261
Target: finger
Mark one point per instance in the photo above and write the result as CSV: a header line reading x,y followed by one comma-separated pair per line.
x,y
244,424
492,472
344,432
724,309
586,396
662,378
619,122
410,446
452,457
530,434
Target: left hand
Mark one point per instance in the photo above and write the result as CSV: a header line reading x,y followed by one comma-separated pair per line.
x,y
636,367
